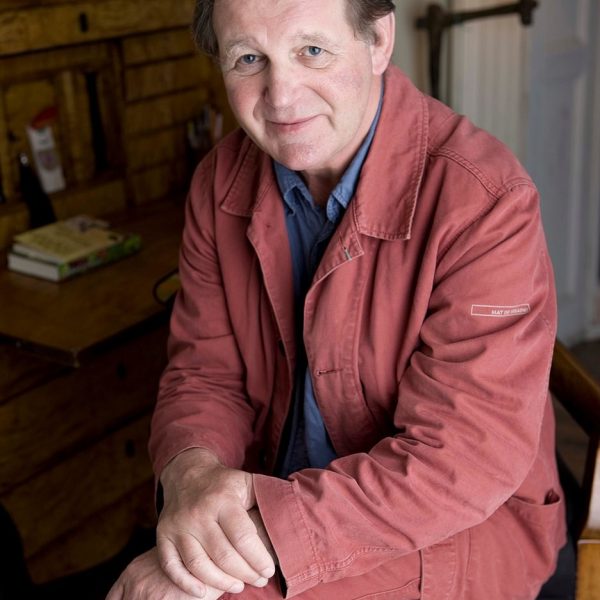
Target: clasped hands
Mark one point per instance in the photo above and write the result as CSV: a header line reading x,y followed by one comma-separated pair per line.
x,y
210,536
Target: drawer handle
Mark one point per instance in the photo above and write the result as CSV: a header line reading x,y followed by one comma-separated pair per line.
x,y
84,24
121,371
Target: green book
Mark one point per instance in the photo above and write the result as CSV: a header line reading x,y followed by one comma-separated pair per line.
x,y
67,248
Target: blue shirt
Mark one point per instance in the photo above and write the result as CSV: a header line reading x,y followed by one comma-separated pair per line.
x,y
310,228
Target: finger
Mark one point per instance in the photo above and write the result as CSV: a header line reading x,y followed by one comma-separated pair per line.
x,y
215,561
243,536
213,594
116,591
173,567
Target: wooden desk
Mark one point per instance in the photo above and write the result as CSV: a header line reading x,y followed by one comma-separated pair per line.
x,y
79,367
64,321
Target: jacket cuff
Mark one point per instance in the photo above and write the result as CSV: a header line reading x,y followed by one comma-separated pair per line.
x,y
285,522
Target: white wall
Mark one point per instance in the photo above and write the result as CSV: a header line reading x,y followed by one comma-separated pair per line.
x,y
537,89
411,52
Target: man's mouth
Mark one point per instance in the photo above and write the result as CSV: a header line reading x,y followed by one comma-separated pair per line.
x,y
289,126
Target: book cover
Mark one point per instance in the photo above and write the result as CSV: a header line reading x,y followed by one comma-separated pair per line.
x,y
66,241
49,268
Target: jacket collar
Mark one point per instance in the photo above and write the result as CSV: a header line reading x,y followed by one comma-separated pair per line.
x,y
386,196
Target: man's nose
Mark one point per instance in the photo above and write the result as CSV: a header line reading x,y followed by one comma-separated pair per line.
x,y
281,86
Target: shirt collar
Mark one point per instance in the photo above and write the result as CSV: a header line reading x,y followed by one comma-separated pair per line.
x,y
386,196
288,180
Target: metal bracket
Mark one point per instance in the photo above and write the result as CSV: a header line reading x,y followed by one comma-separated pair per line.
x,y
438,19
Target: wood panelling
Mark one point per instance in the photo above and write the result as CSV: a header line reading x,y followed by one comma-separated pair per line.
x,y
79,162
87,403
26,67
80,22
13,219
82,547
20,372
162,112
78,380
23,4
147,86
83,484
23,101
157,182
6,177
100,198
164,77
74,469
157,46
57,79
155,148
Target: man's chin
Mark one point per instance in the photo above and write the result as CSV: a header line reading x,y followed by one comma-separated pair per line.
x,y
296,158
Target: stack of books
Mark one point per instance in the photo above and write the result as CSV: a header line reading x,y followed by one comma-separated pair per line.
x,y
67,248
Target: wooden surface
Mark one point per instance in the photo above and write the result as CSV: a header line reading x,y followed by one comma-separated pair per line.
x,y
80,360
588,569
66,320
576,389
78,22
85,483
579,394
82,547
74,470
35,428
125,78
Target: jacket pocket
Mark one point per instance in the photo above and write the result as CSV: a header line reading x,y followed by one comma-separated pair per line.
x,y
537,513
541,531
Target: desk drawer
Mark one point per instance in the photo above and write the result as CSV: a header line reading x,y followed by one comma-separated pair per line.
x,y
99,538
47,423
58,500
24,30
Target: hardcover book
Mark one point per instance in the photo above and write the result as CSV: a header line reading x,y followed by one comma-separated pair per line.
x,y
67,248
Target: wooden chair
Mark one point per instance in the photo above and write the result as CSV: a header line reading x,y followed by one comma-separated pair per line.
x,y
579,394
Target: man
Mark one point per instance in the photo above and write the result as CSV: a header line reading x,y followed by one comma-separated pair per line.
x,y
356,400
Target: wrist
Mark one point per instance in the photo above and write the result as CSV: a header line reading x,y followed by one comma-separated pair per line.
x,y
191,459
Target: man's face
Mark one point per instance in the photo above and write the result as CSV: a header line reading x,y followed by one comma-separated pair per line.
x,y
299,81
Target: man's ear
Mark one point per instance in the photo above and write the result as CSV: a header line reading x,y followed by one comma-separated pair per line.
x,y
382,46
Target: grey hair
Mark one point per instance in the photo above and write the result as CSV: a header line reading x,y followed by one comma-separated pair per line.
x,y
361,13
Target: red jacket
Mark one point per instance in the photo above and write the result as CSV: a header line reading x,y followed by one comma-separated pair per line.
x,y
429,330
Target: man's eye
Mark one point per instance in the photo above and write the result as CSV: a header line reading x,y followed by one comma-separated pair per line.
x,y
248,59
249,63
314,51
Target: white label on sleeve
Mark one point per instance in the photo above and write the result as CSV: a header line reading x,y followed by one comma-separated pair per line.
x,y
489,310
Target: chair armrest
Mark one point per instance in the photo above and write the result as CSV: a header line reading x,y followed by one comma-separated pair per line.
x,y
575,389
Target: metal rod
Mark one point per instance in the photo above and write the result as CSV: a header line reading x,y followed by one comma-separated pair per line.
x,y
438,19
524,8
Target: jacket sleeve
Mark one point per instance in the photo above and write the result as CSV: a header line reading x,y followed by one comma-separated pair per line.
x,y
468,418
201,400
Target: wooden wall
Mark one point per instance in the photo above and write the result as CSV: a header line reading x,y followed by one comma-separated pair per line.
x,y
125,79
74,470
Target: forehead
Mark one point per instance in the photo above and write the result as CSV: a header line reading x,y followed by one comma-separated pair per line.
x,y
266,21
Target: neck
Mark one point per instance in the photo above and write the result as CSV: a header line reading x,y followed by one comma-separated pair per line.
x,y
320,185
321,182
